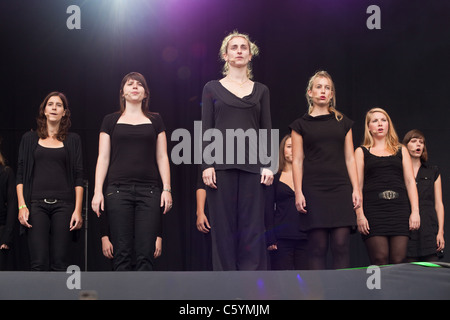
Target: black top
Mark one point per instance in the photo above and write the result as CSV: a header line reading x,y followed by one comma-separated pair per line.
x,y
50,180
133,150
383,173
281,216
423,241
26,164
223,110
8,204
323,146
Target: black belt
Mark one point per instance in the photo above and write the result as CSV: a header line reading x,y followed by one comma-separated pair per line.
x,y
47,201
388,195
384,195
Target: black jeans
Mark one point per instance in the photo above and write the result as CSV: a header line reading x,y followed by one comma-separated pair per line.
x,y
49,238
134,216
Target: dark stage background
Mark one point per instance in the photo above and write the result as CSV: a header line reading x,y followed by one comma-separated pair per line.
x,y
402,67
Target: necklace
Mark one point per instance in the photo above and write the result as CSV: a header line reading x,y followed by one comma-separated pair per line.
x,y
240,84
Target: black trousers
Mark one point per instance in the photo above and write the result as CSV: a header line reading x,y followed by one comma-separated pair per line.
x,y
291,254
134,216
49,238
236,211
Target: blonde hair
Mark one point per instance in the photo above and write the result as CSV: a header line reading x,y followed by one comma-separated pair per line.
x,y
254,51
392,142
332,106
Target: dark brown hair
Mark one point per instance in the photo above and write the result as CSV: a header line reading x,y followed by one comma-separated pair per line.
x,y
281,158
417,134
42,119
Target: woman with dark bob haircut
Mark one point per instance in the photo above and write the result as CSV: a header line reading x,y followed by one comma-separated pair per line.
x,y
50,185
427,243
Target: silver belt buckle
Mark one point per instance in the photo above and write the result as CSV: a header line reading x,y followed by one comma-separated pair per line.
x,y
50,201
388,195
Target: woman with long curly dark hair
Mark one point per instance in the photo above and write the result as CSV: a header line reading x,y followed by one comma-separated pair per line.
x,y
50,185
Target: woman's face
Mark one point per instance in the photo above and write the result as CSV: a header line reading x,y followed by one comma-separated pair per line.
x,y
288,150
321,91
54,109
378,125
415,147
134,91
238,52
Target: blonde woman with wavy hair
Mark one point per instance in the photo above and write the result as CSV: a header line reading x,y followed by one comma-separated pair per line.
x,y
391,206
235,190
392,142
324,171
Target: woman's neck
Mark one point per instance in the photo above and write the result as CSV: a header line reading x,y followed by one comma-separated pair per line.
x,y
416,163
238,75
287,167
52,129
133,109
319,110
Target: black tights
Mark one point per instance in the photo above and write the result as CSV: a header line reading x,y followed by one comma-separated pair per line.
x,y
339,241
387,249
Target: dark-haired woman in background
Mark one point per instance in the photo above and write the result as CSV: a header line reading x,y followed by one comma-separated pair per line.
x,y
133,157
427,243
50,185
8,213
287,245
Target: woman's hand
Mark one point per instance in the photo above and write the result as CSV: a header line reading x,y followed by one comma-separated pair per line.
x,y
266,177
203,223
97,203
300,203
166,201
357,199
363,224
77,221
24,214
209,178
414,221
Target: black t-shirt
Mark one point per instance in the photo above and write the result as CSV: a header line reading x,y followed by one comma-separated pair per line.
x,y
133,150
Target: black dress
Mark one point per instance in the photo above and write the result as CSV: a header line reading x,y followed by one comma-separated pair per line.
x,y
423,241
387,215
326,185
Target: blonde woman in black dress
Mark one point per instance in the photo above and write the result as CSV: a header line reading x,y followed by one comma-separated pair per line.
x,y
325,178
391,204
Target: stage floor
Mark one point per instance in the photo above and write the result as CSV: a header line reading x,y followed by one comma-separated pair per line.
x,y
403,281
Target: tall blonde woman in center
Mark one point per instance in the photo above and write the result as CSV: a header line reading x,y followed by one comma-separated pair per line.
x,y
325,177
235,191
391,202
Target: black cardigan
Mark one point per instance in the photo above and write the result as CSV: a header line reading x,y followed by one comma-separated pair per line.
x,y
28,144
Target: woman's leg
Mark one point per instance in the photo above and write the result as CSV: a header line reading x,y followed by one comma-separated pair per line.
x,y
38,237
378,250
60,235
397,249
340,247
119,206
147,225
317,249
